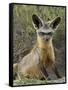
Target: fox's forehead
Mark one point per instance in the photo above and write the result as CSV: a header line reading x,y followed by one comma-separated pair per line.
x,y
45,28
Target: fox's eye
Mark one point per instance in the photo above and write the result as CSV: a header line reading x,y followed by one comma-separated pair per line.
x,y
41,33
50,33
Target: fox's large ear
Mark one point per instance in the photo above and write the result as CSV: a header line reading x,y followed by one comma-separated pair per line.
x,y
37,22
54,24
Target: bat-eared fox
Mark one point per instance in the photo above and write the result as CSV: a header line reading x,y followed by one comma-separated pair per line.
x,y
41,57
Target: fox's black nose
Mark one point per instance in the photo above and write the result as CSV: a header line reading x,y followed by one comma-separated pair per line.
x,y
47,39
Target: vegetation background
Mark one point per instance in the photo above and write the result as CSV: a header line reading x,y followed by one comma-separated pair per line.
x,y
24,35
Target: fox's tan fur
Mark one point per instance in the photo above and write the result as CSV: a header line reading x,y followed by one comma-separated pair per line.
x,y
47,50
34,64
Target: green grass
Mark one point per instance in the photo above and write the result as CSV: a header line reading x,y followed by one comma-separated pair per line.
x,y
26,81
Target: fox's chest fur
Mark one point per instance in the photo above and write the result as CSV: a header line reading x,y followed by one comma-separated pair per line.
x,y
47,56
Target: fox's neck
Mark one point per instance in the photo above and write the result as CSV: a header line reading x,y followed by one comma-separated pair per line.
x,y
44,44
46,49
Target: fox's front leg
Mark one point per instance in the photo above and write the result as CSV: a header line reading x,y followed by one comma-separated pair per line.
x,y
44,72
54,68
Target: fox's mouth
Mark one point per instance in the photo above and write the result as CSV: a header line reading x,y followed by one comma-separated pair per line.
x,y
46,39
